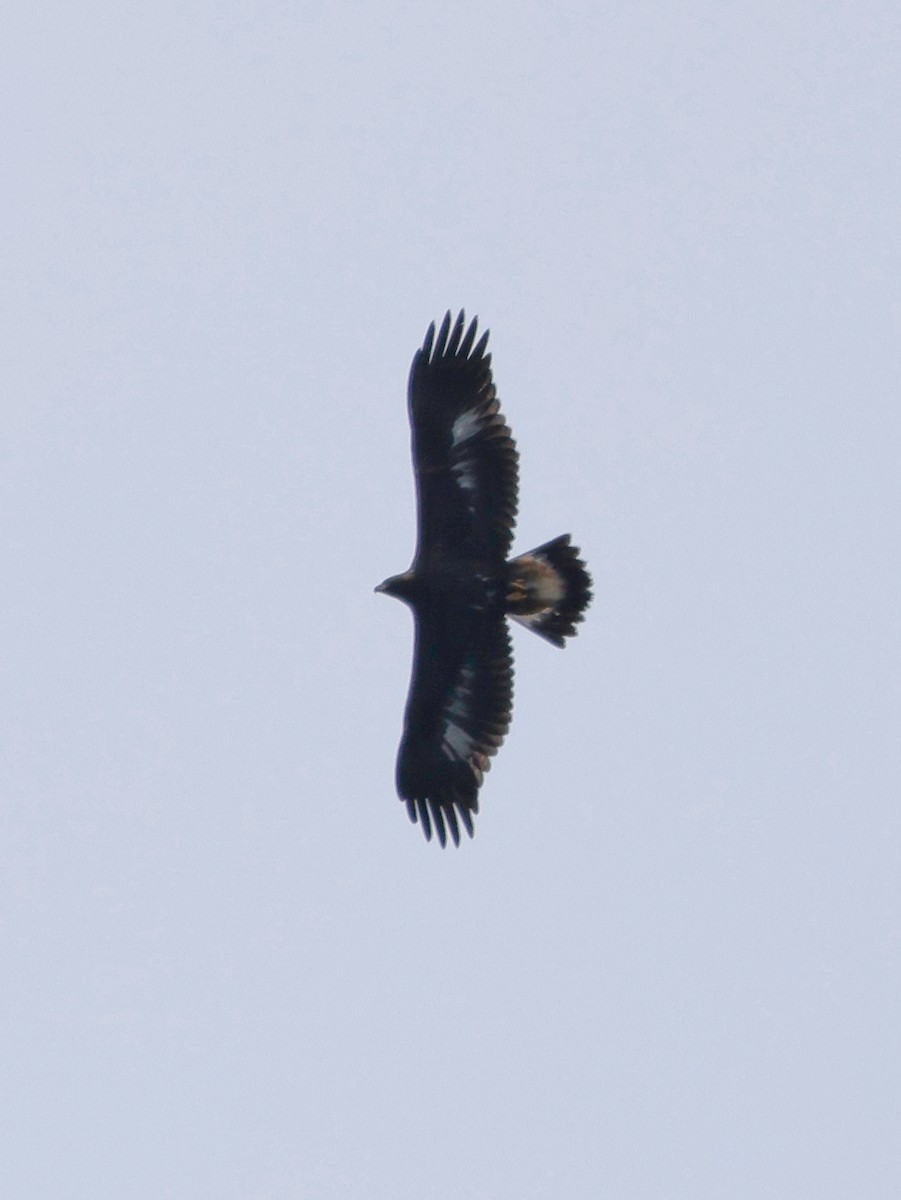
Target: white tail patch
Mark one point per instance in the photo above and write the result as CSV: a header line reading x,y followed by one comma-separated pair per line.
x,y
537,586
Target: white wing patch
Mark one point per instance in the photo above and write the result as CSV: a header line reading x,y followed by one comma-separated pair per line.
x,y
463,430
465,426
457,743
465,475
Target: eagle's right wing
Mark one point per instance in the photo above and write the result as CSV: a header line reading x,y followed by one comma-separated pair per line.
x,y
458,712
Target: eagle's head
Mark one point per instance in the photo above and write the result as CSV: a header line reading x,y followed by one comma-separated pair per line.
x,y
404,586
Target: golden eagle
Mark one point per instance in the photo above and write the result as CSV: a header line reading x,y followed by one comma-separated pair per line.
x,y
461,587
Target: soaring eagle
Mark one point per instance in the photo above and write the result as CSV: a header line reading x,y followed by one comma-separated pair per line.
x,y
461,587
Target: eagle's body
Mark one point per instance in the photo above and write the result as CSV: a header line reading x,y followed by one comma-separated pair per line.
x,y
461,587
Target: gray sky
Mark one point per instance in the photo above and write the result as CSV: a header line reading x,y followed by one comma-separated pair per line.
x,y
668,964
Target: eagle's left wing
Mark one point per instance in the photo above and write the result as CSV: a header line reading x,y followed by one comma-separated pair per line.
x,y
464,457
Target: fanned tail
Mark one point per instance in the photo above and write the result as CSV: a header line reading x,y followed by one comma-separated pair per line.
x,y
549,589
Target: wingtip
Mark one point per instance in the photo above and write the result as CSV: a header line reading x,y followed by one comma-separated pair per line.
x,y
428,340
453,345
453,338
443,332
441,819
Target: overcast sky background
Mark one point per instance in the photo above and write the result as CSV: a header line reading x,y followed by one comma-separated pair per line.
x,y
669,963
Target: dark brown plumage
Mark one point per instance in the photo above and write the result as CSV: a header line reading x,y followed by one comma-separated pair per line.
x,y
461,587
